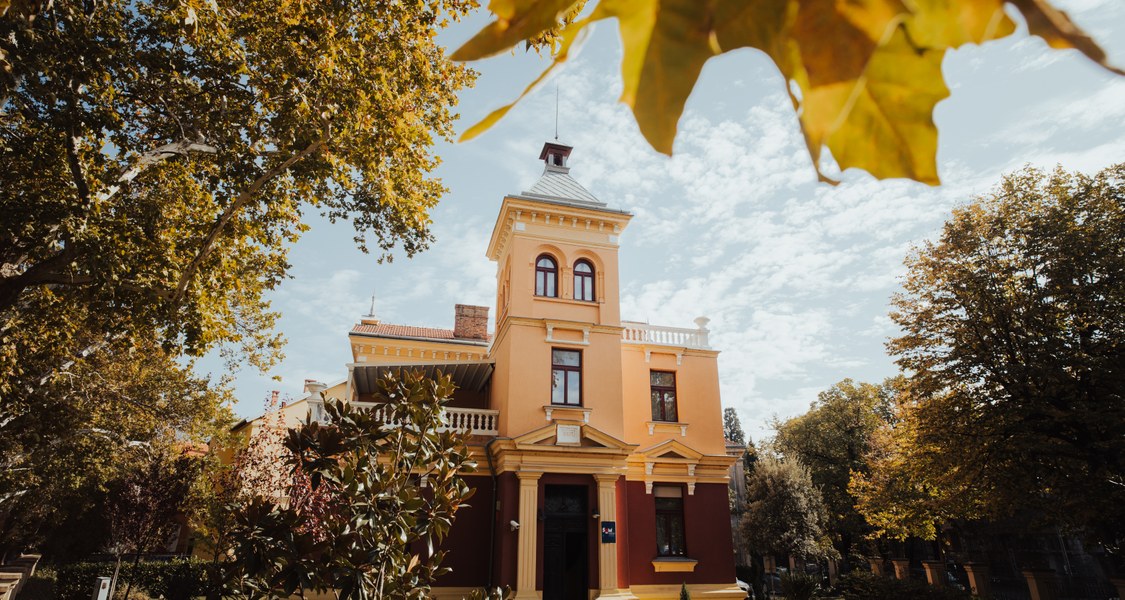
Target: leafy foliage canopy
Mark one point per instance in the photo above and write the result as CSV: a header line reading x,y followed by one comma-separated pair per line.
x,y
1014,337
834,440
785,512
160,157
377,536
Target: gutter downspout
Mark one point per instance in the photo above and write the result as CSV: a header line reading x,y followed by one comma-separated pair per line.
x,y
491,514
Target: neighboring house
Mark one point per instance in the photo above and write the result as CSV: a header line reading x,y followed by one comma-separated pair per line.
x,y
605,436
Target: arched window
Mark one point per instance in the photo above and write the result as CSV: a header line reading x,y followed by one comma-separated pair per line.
x,y
546,277
584,281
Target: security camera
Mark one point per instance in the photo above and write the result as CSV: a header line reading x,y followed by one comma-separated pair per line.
x,y
515,525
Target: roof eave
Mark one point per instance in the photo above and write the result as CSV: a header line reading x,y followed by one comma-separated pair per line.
x,y
462,341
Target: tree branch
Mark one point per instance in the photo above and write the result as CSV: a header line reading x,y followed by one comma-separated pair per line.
x,y
75,165
13,282
12,287
241,201
152,157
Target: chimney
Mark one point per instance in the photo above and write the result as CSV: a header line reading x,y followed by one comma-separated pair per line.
x,y
471,322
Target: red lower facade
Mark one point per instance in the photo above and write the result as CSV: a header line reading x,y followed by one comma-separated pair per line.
x,y
484,545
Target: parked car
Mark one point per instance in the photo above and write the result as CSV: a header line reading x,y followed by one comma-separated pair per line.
x,y
745,587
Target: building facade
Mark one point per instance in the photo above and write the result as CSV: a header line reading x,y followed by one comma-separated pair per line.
x,y
604,470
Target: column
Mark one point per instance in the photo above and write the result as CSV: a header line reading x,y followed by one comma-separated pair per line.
x,y
935,572
902,568
525,560
979,582
607,553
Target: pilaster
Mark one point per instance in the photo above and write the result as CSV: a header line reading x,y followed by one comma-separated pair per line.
x,y
525,564
607,552
979,582
935,572
1041,583
902,568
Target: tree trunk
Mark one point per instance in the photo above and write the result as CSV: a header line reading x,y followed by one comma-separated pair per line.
x,y
129,588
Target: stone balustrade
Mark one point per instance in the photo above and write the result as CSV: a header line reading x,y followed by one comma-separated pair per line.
x,y
643,333
475,421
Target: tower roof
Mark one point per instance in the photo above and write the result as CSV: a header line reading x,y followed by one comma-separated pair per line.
x,y
556,184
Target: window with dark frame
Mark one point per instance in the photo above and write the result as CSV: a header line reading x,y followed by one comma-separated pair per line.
x,y
669,520
566,377
663,386
546,277
584,281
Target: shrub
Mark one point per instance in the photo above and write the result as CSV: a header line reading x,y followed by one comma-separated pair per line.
x,y
800,586
862,585
177,579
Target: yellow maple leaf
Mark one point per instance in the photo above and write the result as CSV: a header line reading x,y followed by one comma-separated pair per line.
x,y
868,71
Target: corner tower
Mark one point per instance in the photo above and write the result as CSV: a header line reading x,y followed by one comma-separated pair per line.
x,y
557,345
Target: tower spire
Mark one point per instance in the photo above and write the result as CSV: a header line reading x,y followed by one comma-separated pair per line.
x,y
556,111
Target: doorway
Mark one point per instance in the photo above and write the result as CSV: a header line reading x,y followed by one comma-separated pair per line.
x,y
566,543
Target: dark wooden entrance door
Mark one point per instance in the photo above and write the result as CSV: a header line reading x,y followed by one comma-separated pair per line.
x,y
565,543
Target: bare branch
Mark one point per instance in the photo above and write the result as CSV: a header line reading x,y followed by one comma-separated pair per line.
x,y
152,157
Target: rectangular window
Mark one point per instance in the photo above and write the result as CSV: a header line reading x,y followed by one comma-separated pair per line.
x,y
669,520
566,377
663,386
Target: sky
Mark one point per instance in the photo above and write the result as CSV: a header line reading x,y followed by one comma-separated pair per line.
x,y
795,275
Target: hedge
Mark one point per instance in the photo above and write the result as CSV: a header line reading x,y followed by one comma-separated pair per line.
x,y
862,585
176,579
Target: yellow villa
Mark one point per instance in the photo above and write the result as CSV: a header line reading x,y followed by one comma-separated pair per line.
x,y
604,470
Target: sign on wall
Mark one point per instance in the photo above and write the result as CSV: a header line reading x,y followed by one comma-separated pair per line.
x,y
609,532
568,434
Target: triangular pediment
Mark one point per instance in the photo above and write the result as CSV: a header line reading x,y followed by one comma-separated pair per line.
x,y
671,450
574,434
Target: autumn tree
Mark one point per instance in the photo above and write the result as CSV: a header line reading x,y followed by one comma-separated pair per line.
x,y
144,502
863,77
159,157
785,514
896,499
833,440
378,535
62,443
1013,327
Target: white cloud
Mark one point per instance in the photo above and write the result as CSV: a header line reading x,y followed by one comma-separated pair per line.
x,y
795,275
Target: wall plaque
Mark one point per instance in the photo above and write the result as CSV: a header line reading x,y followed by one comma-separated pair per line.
x,y
568,434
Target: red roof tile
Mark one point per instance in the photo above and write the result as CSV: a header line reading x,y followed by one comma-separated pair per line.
x,y
409,331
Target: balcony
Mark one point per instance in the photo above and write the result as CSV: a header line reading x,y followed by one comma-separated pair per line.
x,y
474,421
657,335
